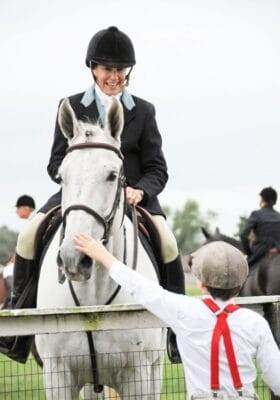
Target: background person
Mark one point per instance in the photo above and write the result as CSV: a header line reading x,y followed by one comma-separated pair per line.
x,y
264,227
25,206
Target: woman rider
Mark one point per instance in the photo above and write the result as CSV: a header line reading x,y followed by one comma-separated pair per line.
x,y
110,57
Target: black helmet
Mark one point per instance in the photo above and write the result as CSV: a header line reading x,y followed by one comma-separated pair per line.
x,y
269,195
25,201
112,48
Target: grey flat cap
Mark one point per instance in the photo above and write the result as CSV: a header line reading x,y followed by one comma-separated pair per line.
x,y
220,265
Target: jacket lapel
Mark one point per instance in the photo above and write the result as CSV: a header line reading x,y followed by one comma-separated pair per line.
x,y
129,115
92,112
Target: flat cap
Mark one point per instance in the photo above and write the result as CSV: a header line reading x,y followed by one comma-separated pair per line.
x,y
219,265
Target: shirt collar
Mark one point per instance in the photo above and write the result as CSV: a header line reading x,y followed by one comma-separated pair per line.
x,y
90,96
221,303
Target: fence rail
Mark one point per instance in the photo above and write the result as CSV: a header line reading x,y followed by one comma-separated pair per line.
x,y
99,318
24,382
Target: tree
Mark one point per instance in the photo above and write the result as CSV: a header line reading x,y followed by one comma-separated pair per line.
x,y
187,224
8,240
240,225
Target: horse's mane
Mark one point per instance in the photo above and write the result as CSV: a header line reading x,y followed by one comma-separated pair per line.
x,y
218,236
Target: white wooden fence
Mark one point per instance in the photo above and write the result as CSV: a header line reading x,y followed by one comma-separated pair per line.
x,y
113,317
100,318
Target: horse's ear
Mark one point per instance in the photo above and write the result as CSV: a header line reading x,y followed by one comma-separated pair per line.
x,y
205,233
67,119
115,120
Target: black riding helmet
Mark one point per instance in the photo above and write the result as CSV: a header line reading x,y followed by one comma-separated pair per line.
x,y
110,47
269,195
26,201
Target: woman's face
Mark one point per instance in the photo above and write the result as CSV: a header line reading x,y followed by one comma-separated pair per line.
x,y
110,80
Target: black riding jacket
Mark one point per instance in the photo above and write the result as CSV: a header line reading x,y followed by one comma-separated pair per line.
x,y
265,224
144,164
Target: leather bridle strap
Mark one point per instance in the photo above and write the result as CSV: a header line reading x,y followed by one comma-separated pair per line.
x,y
87,210
88,145
95,375
105,221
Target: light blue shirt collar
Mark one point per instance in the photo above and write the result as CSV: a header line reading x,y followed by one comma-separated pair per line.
x,y
90,96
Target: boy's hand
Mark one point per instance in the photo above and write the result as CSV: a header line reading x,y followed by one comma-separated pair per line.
x,y
94,249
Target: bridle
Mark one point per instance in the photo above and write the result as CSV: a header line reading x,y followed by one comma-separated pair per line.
x,y
106,221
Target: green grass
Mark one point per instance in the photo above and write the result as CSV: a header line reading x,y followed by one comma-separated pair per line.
x,y
20,381
193,291
24,382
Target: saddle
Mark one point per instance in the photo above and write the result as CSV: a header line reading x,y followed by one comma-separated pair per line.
x,y
150,239
46,231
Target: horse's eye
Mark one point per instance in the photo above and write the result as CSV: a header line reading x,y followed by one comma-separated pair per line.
x,y
112,176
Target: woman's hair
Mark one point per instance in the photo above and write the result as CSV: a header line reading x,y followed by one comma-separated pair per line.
x,y
223,294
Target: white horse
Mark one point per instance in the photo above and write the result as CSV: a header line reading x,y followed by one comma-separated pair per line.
x,y
91,180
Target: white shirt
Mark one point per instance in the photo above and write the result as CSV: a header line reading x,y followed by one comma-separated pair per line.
x,y
193,324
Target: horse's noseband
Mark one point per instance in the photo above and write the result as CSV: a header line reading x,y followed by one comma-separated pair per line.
x,y
107,220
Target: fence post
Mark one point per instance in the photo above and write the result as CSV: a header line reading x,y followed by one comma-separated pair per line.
x,y
272,315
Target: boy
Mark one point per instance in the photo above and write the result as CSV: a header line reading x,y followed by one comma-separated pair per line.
x,y
221,270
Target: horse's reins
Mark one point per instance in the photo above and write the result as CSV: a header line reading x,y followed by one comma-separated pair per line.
x,y
107,223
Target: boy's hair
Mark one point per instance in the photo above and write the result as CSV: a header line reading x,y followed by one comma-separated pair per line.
x,y
223,294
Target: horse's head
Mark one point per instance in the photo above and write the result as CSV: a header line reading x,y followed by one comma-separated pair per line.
x,y
91,178
217,236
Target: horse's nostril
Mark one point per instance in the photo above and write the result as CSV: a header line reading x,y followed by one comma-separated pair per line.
x,y
86,262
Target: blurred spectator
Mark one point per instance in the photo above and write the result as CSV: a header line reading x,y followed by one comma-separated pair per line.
x,y
25,206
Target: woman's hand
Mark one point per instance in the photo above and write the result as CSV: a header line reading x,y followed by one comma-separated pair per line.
x,y
94,249
134,196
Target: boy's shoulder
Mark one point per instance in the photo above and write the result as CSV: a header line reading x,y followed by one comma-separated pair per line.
x,y
244,313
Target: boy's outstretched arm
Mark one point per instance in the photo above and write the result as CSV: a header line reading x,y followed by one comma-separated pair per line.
x,y
163,304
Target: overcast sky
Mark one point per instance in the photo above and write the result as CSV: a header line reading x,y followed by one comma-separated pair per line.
x,y
210,67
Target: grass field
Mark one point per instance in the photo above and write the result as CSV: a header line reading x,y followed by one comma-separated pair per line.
x,y
24,382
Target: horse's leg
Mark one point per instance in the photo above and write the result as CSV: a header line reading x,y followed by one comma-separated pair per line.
x,y
156,377
134,383
60,382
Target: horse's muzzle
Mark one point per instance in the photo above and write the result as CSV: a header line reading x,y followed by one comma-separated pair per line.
x,y
76,269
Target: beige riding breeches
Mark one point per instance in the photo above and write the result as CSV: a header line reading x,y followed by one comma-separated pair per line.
x,y
26,238
169,248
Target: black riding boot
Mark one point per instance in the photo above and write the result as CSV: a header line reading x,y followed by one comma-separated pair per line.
x,y
23,296
175,282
